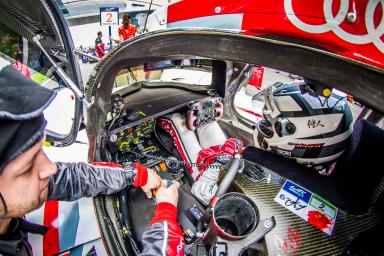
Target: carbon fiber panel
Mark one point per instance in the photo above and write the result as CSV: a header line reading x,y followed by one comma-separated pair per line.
x,y
294,236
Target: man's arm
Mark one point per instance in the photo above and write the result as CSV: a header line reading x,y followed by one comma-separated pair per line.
x,y
115,40
164,236
120,32
75,180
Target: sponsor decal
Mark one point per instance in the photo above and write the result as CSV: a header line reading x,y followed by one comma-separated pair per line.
x,y
303,145
224,158
283,152
180,247
297,191
308,206
268,100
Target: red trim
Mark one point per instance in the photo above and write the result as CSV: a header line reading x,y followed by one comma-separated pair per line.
x,y
222,232
214,201
207,156
106,164
165,212
250,112
257,77
23,69
141,176
51,239
170,128
175,240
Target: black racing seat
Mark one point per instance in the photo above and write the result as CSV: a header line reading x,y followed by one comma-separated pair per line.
x,y
356,177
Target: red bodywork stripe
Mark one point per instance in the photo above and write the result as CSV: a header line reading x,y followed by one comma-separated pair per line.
x,y
51,239
250,112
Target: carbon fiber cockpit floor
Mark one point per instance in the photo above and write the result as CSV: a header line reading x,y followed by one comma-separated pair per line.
x,y
294,236
291,235
142,209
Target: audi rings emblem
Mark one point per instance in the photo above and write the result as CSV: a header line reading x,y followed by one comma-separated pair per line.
x,y
332,22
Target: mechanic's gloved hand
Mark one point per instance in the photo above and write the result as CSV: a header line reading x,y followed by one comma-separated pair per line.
x,y
166,209
147,179
167,194
204,189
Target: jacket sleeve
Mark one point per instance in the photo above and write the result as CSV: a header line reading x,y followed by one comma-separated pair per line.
x,y
164,237
75,180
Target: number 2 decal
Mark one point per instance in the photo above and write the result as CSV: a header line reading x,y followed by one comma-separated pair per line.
x,y
109,17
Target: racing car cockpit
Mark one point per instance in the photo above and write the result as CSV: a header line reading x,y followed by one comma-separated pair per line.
x,y
177,133
242,191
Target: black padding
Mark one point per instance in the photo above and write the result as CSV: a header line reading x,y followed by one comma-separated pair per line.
x,y
219,72
367,243
141,208
356,175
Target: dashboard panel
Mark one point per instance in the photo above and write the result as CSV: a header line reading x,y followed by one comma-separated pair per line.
x,y
149,103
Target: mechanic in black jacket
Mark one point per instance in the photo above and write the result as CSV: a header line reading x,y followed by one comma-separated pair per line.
x,y
28,178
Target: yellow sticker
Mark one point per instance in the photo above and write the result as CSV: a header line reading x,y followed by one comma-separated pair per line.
x,y
47,143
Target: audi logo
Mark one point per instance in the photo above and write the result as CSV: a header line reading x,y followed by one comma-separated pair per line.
x,y
332,22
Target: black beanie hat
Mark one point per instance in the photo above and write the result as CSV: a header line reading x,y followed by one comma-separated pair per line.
x,y
22,102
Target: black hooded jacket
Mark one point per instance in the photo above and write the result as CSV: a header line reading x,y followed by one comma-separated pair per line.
x,y
22,126
76,180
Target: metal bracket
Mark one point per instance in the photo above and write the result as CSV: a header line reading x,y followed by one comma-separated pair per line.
x,y
237,247
60,72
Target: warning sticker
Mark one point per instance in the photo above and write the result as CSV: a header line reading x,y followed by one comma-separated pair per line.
x,y
307,205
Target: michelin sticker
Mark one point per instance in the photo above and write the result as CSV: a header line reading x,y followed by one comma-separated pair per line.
x,y
308,206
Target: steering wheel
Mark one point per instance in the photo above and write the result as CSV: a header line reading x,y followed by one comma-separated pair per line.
x,y
204,112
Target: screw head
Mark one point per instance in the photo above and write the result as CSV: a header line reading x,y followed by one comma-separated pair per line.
x,y
113,138
218,9
268,224
351,17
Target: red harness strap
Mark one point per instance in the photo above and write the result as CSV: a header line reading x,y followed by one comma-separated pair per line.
x,y
207,156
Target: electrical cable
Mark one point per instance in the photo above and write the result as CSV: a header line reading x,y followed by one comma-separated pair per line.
x,y
114,120
124,202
